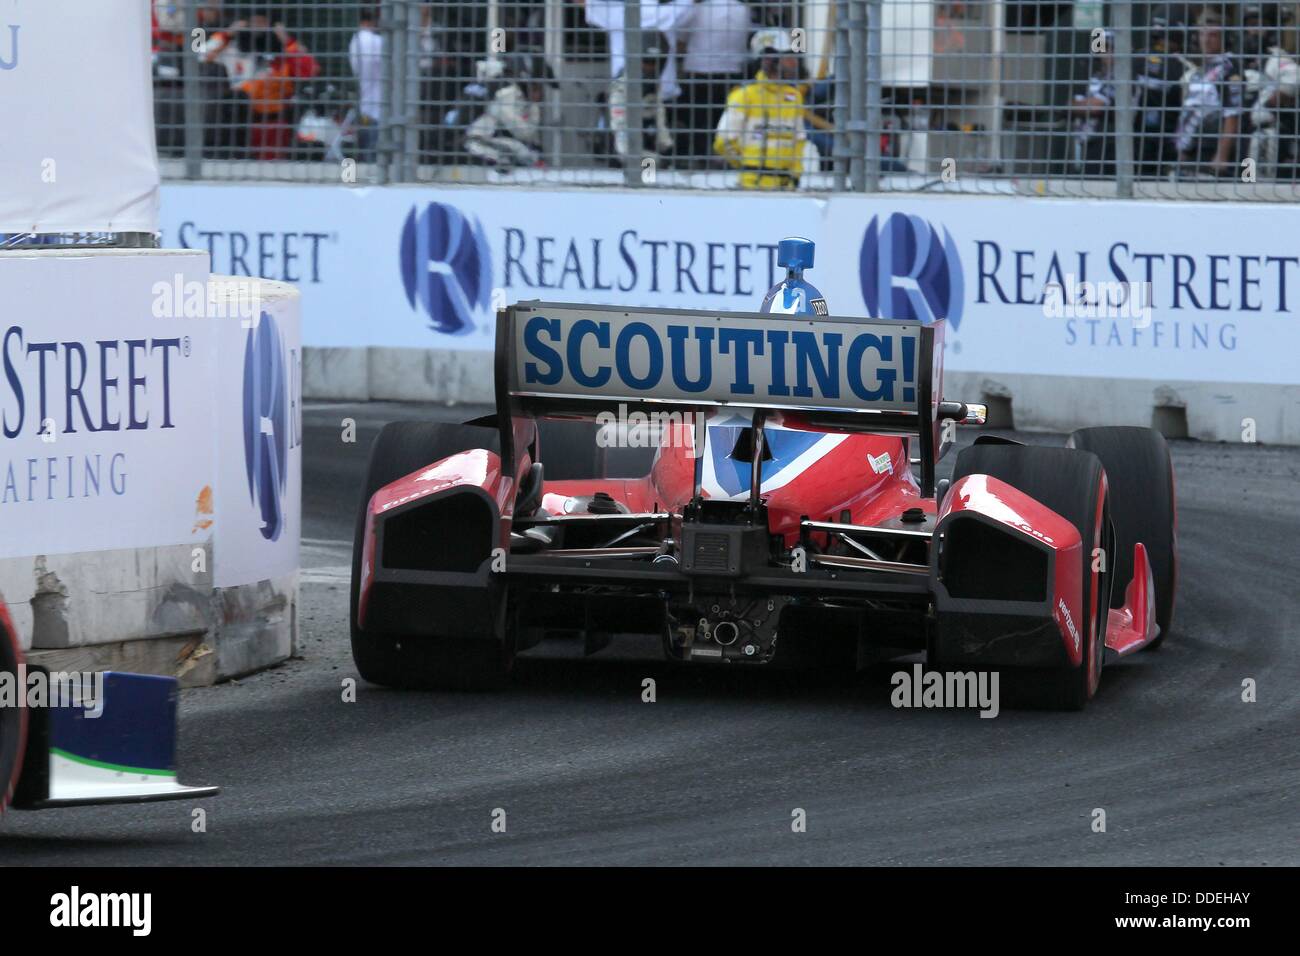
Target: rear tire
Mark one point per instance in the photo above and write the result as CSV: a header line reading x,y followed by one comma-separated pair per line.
x,y
421,661
1141,479
13,720
1069,482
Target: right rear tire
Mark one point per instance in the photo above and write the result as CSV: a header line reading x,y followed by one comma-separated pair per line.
x,y
1141,479
421,661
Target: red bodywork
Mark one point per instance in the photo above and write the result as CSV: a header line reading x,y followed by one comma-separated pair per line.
x,y
994,501
859,479
476,469
843,479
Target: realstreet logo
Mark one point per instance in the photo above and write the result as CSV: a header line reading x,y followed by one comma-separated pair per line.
x,y
72,910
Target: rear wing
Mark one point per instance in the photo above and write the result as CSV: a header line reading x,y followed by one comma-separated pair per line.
x,y
821,373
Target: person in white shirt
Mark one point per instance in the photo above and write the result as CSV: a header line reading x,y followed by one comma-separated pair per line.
x,y
717,36
656,140
655,17
366,55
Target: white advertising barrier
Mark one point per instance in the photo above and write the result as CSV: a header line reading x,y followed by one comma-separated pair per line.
x,y
409,267
150,453
1166,301
79,150
106,410
259,434
1155,291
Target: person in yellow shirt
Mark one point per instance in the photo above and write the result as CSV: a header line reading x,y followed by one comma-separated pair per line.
x,y
761,132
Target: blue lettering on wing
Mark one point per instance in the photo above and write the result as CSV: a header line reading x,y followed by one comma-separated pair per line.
x,y
534,346
885,377
778,341
677,335
581,329
623,357
744,340
825,366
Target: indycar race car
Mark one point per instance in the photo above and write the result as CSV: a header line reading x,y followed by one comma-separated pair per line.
x,y
790,512
72,740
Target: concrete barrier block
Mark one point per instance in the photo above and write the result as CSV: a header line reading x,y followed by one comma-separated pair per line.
x,y
188,658
1208,411
141,611
98,597
257,627
431,375
335,373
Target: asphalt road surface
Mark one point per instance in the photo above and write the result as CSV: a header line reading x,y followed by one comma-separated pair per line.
x,y
586,773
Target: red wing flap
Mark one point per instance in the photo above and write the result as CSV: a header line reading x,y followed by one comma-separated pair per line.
x,y
1133,626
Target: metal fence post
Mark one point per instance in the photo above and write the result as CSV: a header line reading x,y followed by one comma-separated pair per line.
x,y
409,77
873,29
855,128
553,46
840,147
388,152
1124,114
632,47
192,94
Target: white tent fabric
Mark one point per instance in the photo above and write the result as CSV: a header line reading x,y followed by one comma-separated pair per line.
x,y
79,152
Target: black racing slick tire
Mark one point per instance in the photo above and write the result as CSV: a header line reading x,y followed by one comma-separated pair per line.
x,y
1071,483
424,661
13,720
1142,506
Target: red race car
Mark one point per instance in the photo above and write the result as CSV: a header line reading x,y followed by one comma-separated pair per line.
x,y
811,525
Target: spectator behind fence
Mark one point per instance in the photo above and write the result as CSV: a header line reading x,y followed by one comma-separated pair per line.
x,y
263,62
366,56
1159,95
656,139
1092,114
655,17
715,35
761,132
1272,82
1206,137
508,131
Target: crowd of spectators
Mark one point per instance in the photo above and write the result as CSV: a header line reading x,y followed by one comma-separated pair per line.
x,y
1211,91
722,84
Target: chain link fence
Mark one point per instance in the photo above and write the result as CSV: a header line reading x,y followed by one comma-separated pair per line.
x,y
1085,99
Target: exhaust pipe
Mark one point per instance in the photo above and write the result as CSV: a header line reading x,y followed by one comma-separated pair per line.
x,y
726,633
